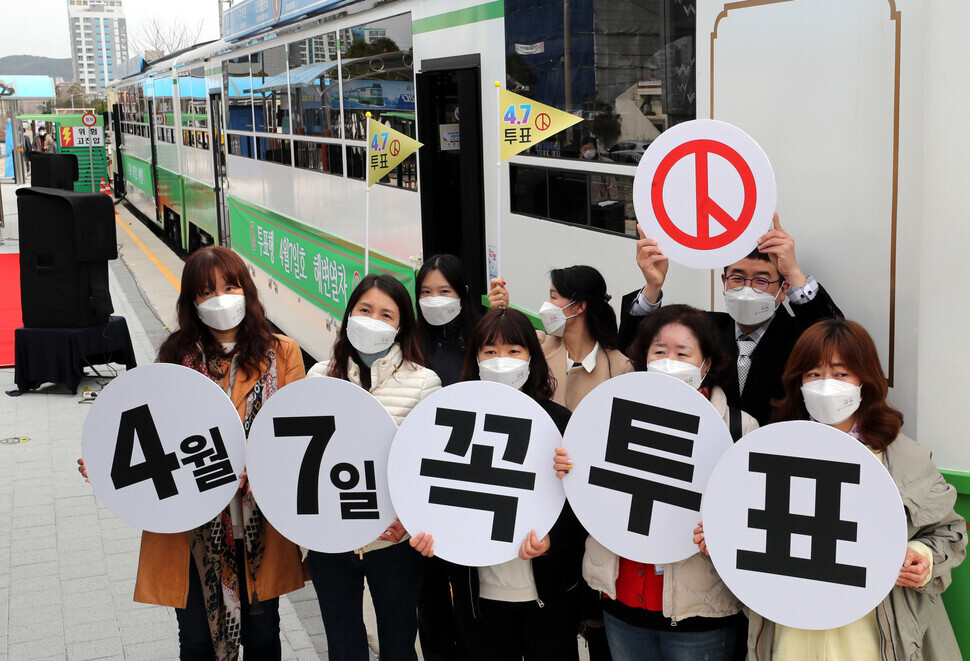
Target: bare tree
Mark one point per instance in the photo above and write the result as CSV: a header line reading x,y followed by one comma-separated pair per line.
x,y
166,35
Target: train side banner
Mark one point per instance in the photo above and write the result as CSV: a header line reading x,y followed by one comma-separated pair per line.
x,y
164,448
386,148
472,466
643,446
317,463
523,122
138,173
319,267
705,191
805,525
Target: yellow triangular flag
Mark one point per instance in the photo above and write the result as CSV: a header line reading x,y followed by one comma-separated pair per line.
x,y
386,148
523,122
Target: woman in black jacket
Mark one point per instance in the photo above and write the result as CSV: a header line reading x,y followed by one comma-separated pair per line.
x,y
446,319
528,607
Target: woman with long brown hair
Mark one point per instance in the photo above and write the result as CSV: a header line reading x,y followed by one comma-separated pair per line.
x,y
833,376
224,578
377,349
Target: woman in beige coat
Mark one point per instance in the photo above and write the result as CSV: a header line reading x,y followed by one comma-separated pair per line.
x,y
680,610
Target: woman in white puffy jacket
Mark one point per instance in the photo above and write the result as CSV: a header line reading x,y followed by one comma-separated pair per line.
x,y
681,610
377,349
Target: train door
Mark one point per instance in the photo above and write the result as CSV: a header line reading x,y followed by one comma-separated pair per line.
x,y
117,139
449,106
152,124
217,140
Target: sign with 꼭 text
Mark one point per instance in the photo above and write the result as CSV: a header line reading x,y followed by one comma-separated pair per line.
x,y
471,467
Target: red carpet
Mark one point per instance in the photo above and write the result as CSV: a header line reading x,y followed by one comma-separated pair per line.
x,y
10,315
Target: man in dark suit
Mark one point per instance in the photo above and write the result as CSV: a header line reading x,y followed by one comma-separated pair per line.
x,y
757,331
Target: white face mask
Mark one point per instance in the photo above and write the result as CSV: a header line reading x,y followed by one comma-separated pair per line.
x,y
750,307
512,372
439,310
589,154
831,401
553,318
369,335
222,313
689,374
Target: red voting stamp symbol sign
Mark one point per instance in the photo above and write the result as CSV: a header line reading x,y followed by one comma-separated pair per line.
x,y
707,209
395,147
543,121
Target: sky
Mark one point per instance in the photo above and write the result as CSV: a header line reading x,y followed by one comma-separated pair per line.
x,y
54,41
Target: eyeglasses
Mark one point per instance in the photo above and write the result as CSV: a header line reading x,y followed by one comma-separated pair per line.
x,y
761,284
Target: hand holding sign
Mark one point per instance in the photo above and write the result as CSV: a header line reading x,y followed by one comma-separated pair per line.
x,y
638,471
805,525
705,190
163,447
317,459
470,466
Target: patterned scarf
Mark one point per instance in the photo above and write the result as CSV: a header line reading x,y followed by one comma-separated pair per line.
x,y
214,546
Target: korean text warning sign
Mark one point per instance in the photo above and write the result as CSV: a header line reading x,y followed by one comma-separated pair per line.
x,y
386,148
643,446
317,462
805,525
524,122
164,447
705,191
471,466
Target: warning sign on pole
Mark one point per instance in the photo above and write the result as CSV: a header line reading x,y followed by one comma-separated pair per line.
x,y
705,191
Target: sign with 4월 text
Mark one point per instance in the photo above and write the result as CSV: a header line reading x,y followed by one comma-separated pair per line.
x,y
317,462
805,525
471,466
643,446
164,448
705,191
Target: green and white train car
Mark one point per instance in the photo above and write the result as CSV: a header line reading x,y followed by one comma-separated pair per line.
x,y
257,142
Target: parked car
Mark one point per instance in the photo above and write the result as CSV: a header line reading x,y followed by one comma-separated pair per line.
x,y
628,151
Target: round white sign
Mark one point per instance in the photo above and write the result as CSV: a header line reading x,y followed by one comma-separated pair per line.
x,y
164,448
705,191
317,462
643,446
88,119
472,466
805,525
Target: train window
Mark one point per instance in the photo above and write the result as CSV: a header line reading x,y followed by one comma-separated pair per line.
x,y
236,84
314,86
356,157
164,109
634,82
274,150
591,199
269,89
318,156
404,175
378,74
240,145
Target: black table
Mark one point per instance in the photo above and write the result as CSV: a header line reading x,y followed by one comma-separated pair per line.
x,y
58,355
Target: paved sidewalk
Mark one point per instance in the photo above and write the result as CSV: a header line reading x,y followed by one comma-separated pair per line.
x,y
67,564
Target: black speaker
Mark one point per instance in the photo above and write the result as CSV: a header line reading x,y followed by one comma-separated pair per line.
x,y
53,170
66,240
